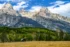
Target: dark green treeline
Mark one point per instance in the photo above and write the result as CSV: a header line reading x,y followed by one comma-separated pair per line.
x,y
32,34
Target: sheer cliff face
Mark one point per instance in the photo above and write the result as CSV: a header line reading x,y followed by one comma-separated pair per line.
x,y
8,20
43,18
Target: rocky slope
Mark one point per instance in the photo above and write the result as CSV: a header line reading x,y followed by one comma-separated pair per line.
x,y
52,21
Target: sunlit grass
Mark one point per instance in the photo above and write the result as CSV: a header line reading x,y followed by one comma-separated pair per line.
x,y
37,44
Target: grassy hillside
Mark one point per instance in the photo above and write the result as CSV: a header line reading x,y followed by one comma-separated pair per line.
x,y
31,34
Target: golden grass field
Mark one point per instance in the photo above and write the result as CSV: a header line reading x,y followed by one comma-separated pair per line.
x,y
37,44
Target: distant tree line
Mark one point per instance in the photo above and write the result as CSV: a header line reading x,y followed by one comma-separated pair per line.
x,y
32,34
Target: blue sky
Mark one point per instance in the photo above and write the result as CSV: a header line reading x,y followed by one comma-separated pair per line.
x,y
61,7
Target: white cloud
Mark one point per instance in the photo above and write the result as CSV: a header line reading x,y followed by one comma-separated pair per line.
x,y
1,5
35,8
63,9
58,2
20,5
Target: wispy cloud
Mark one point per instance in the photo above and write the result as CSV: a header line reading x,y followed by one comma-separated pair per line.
x,y
63,9
35,8
57,3
20,5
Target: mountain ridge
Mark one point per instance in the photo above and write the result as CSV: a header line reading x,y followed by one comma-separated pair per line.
x,y
44,18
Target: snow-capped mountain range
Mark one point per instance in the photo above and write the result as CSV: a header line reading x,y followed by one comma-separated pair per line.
x,y
43,18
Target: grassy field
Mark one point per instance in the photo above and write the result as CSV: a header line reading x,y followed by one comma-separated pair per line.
x,y
37,44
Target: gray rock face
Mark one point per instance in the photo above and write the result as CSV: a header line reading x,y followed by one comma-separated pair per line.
x,y
52,23
8,20
43,19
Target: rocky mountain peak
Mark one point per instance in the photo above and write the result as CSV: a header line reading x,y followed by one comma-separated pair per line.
x,y
45,10
8,9
7,6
